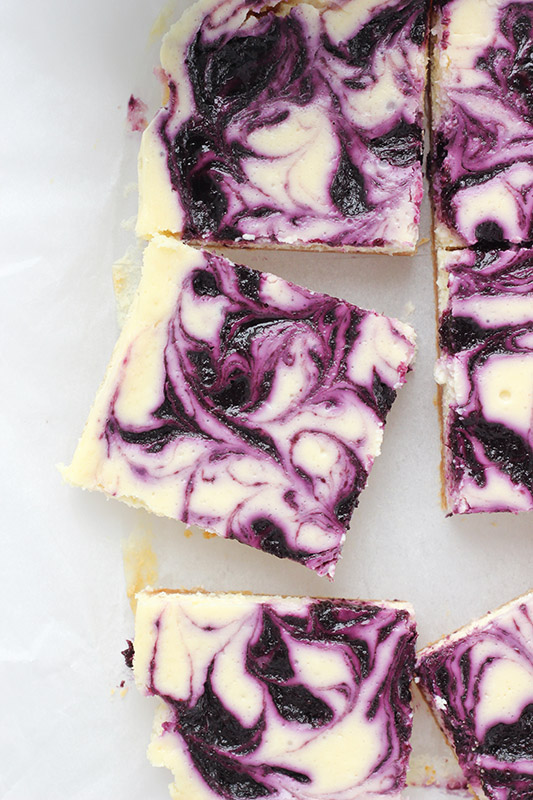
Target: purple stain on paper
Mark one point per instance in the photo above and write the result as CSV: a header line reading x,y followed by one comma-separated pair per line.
x,y
136,114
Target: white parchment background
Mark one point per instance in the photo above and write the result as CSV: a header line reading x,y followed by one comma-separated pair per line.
x,y
67,159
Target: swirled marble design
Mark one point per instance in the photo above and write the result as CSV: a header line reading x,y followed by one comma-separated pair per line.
x,y
293,125
479,684
486,368
482,152
287,698
244,404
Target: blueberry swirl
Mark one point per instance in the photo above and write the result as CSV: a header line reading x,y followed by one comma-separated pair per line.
x,y
486,366
482,153
244,404
297,127
479,683
280,698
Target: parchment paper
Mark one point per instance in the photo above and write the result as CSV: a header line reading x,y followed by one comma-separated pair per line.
x,y
69,729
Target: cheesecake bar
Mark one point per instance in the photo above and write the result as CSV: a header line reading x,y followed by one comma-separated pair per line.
x,y
244,404
482,121
486,372
282,697
479,684
292,124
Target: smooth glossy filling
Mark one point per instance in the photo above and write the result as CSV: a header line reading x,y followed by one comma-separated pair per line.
x,y
282,698
486,339
251,407
243,404
481,685
482,160
303,126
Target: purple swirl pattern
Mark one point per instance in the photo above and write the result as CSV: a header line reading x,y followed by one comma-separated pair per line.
x,y
263,410
486,340
479,684
297,128
287,698
482,152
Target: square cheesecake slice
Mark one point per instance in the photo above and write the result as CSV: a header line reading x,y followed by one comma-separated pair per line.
x,y
282,697
244,404
482,121
479,684
293,124
486,372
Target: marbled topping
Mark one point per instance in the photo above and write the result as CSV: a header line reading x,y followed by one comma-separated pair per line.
x,y
299,125
479,683
482,159
244,404
287,698
486,366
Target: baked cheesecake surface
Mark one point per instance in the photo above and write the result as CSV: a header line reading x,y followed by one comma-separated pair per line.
x,y
292,125
244,404
289,698
482,159
479,684
486,368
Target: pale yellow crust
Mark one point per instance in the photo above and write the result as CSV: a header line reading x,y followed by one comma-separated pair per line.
x,y
440,393
313,247
431,116
268,597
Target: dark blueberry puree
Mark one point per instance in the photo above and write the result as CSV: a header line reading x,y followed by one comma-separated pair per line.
x,y
129,654
371,645
481,685
277,135
486,328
